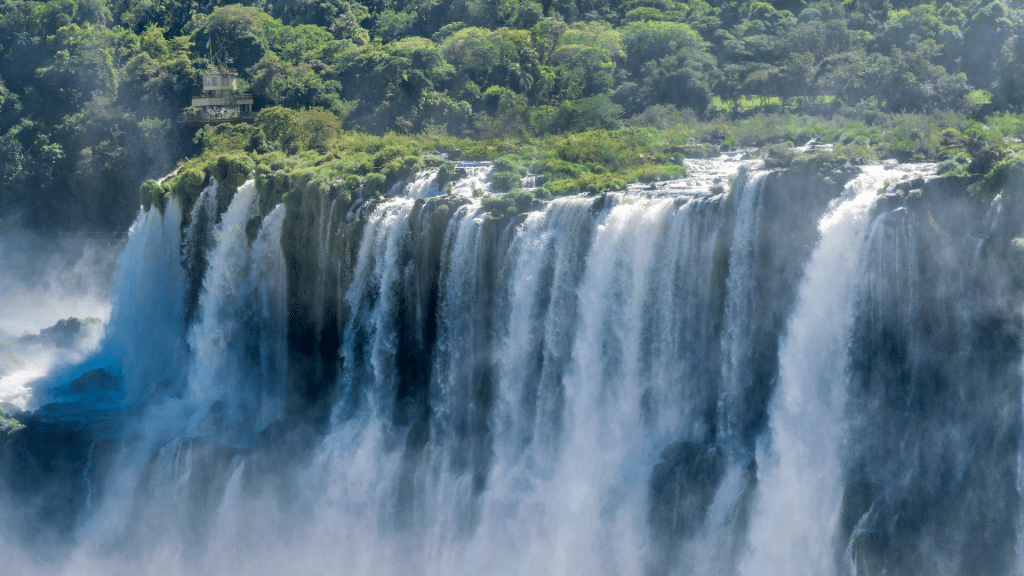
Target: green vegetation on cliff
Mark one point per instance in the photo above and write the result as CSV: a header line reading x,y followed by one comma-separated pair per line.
x,y
90,90
275,151
339,165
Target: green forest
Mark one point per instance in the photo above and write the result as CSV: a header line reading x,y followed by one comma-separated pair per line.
x,y
591,93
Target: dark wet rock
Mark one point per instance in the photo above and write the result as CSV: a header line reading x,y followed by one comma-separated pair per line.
x,y
681,488
162,391
791,204
41,488
94,380
66,333
90,404
934,366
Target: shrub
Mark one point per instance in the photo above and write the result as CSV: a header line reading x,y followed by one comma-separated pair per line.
x,y
778,155
510,164
271,186
857,153
350,183
374,185
151,193
1007,173
229,137
396,171
651,173
386,155
230,171
445,173
663,117
505,181
955,165
8,424
187,186
508,205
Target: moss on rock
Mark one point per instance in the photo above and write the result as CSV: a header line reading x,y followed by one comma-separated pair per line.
x,y
186,187
152,193
230,171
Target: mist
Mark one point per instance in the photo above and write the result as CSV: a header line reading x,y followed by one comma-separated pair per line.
x,y
56,300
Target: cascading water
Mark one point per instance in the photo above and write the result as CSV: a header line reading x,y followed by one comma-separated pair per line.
x,y
237,345
800,475
147,323
790,377
740,313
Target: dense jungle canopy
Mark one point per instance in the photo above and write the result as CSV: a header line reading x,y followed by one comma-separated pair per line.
x,y
90,90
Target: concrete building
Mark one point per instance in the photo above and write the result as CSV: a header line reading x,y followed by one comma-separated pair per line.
x,y
220,101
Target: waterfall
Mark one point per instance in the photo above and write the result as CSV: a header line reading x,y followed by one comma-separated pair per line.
x,y
799,474
370,338
545,263
817,371
513,469
237,343
425,184
147,320
740,312
223,376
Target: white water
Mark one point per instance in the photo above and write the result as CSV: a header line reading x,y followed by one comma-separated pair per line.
x,y
703,174
741,314
234,354
799,473
571,431
369,340
237,347
548,476
145,344
424,184
147,322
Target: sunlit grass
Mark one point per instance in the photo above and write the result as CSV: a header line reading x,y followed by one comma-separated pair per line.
x,y
588,161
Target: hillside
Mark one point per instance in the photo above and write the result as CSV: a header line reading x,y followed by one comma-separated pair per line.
x,y
90,91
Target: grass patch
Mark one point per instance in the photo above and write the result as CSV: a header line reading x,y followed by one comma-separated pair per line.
x,y
649,149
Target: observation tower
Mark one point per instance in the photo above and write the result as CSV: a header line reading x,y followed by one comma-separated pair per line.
x,y
220,102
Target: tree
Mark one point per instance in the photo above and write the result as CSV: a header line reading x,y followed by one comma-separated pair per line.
x,y
586,114
843,75
1009,84
158,77
474,54
583,71
83,65
987,32
321,13
644,42
437,109
909,82
244,33
503,113
672,65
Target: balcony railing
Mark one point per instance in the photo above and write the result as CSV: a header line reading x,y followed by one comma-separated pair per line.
x,y
216,115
